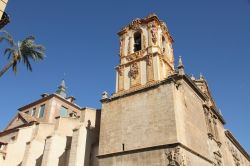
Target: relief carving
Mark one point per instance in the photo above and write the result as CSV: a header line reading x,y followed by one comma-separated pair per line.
x,y
217,157
234,154
134,71
143,42
153,31
149,60
120,70
135,24
135,55
175,157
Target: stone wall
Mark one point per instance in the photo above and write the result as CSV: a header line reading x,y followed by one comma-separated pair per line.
x,y
137,121
191,124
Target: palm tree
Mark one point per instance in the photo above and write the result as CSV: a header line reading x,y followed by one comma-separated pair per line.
x,y
22,51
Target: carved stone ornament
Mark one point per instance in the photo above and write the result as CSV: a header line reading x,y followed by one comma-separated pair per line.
x,y
175,158
149,60
135,25
153,31
217,157
121,46
135,55
234,153
164,26
134,71
143,42
120,70
151,15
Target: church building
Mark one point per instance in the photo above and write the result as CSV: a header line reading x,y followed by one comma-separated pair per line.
x,y
157,116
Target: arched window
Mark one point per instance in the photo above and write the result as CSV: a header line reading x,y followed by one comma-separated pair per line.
x,y
137,41
163,44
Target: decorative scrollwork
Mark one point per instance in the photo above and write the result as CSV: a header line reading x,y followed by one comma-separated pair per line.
x,y
153,30
135,24
134,71
135,55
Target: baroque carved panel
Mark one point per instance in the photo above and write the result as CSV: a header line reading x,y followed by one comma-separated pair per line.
x,y
135,24
134,71
150,68
154,31
134,74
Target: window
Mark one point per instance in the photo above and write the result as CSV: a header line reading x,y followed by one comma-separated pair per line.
x,y
163,44
137,41
27,112
63,111
33,112
41,111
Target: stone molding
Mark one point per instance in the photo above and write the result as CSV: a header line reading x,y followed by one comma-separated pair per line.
x,y
166,146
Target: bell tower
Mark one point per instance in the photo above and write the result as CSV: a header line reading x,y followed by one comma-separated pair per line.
x,y
146,54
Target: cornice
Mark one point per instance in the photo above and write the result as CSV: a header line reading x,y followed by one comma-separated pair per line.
x,y
157,147
150,18
46,99
17,128
230,136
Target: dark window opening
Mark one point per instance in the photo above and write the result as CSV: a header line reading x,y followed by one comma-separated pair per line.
x,y
163,44
137,41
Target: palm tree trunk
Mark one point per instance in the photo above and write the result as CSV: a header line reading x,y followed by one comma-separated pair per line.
x,y
6,67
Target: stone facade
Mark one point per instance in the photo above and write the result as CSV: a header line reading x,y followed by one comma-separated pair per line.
x,y
51,131
158,116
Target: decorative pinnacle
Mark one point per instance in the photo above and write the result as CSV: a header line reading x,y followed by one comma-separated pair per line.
x,y
181,67
180,63
62,89
192,77
201,76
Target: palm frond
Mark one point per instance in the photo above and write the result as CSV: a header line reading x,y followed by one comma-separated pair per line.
x,y
30,49
9,51
23,51
27,62
30,38
8,38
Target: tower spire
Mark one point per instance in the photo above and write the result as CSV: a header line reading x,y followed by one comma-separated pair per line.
x,y
62,89
181,70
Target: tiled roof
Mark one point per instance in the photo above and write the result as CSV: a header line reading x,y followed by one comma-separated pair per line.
x,y
27,117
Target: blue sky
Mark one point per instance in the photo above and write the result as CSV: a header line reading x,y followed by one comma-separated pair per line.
x,y
80,39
